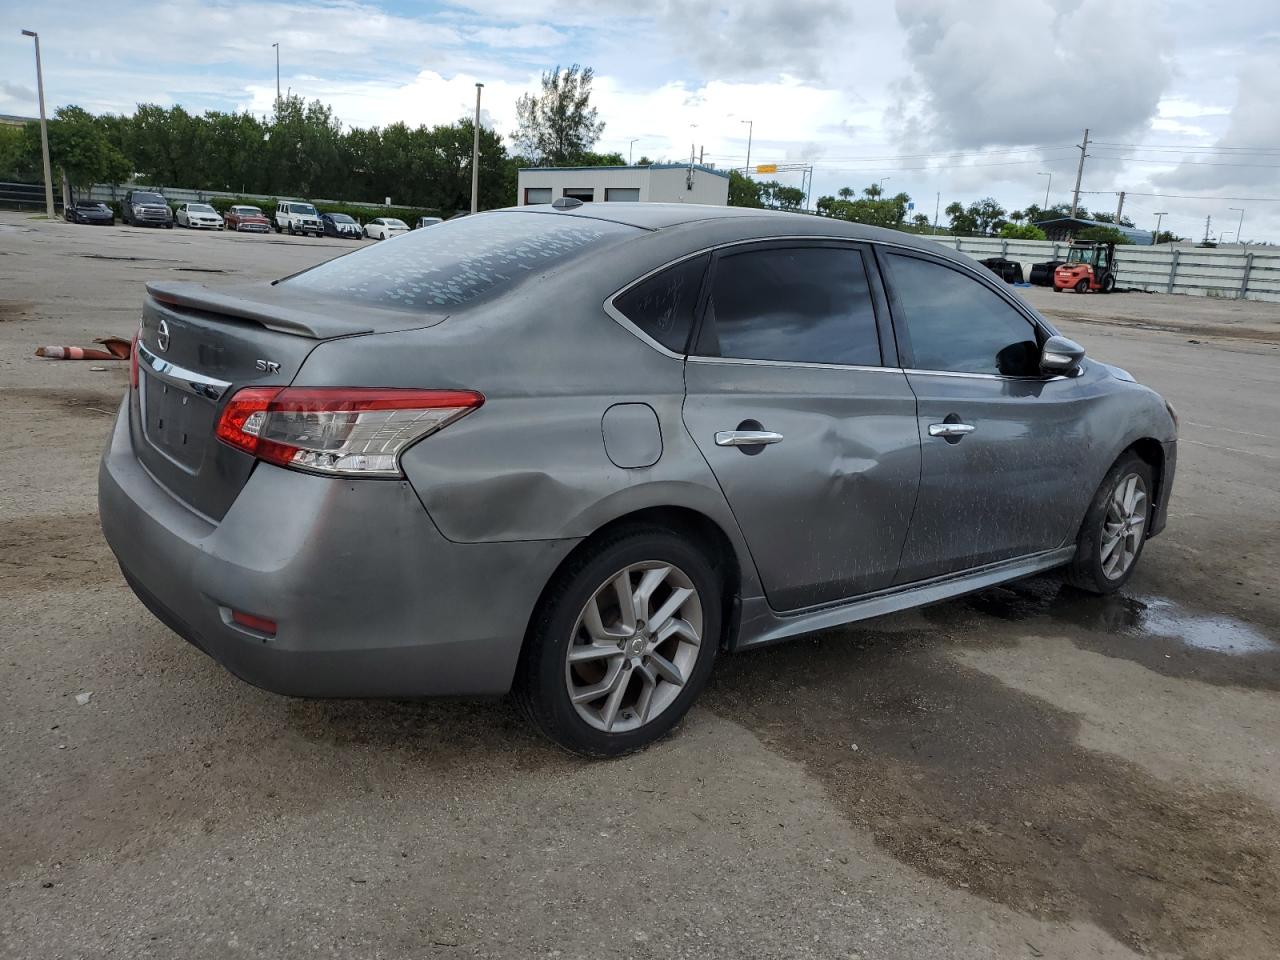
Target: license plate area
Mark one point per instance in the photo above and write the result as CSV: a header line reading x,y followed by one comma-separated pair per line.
x,y
175,422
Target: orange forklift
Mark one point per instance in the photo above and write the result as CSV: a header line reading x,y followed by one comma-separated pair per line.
x,y
1089,266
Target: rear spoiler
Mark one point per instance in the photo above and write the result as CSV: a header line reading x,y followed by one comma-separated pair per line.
x,y
317,324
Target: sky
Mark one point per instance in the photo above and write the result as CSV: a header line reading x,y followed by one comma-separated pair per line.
x,y
951,98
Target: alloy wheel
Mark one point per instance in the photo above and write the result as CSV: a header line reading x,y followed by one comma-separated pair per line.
x,y
1123,526
634,646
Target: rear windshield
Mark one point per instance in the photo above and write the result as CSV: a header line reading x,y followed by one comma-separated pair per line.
x,y
459,261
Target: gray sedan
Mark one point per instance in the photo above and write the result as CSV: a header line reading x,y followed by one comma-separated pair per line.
x,y
578,452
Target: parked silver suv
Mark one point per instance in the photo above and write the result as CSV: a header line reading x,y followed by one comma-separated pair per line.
x,y
580,452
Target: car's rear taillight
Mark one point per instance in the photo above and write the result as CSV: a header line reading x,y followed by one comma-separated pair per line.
x,y
133,358
352,431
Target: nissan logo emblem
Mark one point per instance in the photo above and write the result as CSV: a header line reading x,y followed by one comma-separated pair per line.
x,y
162,335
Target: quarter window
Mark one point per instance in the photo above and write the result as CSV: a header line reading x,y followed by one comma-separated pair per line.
x,y
663,305
798,304
955,323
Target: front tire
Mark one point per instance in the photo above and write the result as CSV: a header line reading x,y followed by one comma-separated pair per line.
x,y
1115,528
1108,283
622,643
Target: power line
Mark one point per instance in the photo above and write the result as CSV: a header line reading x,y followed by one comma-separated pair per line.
x,y
1189,196
1186,147
1186,163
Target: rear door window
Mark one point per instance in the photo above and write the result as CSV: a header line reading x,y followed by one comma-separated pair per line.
x,y
663,305
460,261
953,322
795,303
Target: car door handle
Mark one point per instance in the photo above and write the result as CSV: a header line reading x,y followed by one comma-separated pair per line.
x,y
950,430
746,438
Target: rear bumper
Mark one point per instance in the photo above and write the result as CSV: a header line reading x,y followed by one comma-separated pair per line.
x,y
369,598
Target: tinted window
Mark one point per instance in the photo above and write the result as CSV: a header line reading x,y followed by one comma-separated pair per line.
x,y
957,324
461,260
663,305
802,304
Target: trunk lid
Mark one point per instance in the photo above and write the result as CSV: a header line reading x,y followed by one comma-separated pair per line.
x,y
197,347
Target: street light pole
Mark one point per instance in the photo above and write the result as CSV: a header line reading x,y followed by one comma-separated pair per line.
x,y
44,129
475,156
1046,187
630,148
881,183
277,46
1160,215
1240,225
751,129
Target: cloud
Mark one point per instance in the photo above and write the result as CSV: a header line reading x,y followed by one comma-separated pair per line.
x,y
525,36
1254,125
1031,71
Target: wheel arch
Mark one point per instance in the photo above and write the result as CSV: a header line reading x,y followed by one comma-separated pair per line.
x,y
1151,452
685,522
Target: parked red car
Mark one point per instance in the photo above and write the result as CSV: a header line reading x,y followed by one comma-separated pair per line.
x,y
247,220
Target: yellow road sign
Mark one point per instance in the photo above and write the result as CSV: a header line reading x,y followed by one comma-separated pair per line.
x,y
767,168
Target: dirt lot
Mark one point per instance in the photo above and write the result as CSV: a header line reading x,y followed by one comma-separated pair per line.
x,y
1022,773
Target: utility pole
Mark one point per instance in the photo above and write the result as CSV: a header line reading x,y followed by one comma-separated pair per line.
x,y
1075,194
44,128
701,152
1240,225
1206,227
1160,215
937,204
630,148
475,156
751,129
1046,187
277,46
1119,207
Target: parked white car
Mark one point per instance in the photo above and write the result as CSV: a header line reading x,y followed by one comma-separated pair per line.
x,y
199,216
384,227
294,217
427,222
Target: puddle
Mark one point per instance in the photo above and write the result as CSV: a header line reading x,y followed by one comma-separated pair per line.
x,y
1216,632
1134,617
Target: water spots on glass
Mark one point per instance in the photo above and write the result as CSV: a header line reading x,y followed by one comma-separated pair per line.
x,y
456,262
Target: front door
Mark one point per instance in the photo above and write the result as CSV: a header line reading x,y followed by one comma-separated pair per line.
x,y
811,436
1001,444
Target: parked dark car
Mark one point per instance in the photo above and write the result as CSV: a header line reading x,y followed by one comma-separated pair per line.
x,y
89,211
340,225
146,208
721,428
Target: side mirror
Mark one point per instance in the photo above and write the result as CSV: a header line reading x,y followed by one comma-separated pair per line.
x,y
1061,357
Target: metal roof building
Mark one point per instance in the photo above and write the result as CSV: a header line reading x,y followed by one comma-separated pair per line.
x,y
1063,228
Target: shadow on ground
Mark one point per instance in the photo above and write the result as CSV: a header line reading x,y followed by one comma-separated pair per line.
x,y
985,787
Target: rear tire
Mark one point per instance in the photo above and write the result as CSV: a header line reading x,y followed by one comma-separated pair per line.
x,y
1115,527
640,614
1082,286
1108,283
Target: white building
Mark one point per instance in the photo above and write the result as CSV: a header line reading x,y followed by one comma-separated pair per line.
x,y
655,183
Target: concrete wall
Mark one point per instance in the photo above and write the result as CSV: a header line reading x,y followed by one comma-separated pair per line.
x,y
657,184
1232,272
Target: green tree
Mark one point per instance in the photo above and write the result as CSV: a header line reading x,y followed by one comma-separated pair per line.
x,y
845,193
744,191
558,125
963,222
14,159
1164,236
79,148
920,220
1022,231
1102,235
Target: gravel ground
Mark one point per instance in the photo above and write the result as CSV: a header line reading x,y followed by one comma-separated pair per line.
x,y
1021,773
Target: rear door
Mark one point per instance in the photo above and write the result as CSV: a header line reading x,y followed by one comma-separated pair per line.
x,y
793,397
1000,443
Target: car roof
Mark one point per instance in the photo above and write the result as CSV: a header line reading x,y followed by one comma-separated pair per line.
x,y
752,222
